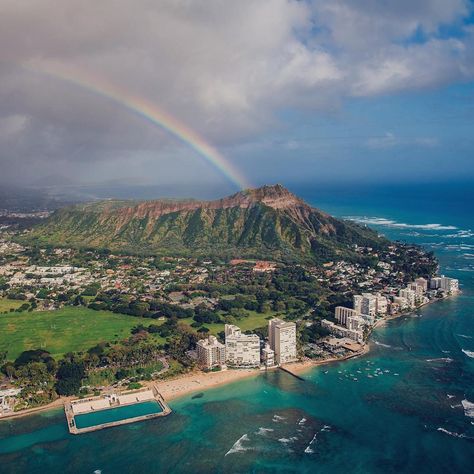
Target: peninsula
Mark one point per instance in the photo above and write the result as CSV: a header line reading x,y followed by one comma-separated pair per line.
x,y
185,295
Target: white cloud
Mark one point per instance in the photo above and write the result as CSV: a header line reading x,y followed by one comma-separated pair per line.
x,y
225,68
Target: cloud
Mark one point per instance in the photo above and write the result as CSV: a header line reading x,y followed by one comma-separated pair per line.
x,y
227,69
390,140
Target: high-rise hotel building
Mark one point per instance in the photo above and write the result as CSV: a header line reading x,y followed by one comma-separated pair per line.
x,y
210,352
242,350
282,339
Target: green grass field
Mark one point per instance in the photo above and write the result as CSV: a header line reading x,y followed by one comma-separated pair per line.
x,y
74,329
253,321
6,304
67,330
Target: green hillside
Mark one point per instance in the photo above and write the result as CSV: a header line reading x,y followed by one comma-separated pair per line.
x,y
269,222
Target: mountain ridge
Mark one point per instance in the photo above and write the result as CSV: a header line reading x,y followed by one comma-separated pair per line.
x,y
269,221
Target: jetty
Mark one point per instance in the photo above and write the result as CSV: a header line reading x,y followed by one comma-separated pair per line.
x,y
114,409
288,371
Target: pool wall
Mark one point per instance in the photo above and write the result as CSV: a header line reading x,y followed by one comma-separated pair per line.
x,y
164,410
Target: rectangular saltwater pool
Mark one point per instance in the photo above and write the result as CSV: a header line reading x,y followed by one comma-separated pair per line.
x,y
110,415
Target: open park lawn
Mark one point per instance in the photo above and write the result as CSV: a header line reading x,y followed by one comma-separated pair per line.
x,y
66,330
7,304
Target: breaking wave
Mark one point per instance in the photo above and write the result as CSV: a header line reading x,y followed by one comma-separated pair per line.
x,y
468,353
464,335
455,435
309,449
238,446
399,225
288,440
277,418
440,359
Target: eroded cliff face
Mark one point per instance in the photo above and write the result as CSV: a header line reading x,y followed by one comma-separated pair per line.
x,y
275,197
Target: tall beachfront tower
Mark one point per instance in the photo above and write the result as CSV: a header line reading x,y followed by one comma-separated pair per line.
x,y
282,339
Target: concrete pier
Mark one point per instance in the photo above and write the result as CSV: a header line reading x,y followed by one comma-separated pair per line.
x,y
111,401
291,373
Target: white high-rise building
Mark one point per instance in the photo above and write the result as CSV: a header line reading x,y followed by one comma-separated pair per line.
x,y
450,285
342,313
381,304
422,283
366,303
210,352
242,350
401,302
282,338
409,295
435,283
356,323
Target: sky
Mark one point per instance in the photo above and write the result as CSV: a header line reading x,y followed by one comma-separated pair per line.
x,y
279,91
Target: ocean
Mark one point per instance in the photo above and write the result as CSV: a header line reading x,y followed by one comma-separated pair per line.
x,y
406,407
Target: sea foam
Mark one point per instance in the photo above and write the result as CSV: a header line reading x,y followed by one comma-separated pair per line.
x,y
455,435
381,344
399,225
263,431
468,408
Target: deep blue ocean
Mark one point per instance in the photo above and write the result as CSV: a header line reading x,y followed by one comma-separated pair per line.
x,y
406,407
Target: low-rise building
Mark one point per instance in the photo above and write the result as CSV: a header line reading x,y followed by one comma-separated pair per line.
x,y
268,356
355,335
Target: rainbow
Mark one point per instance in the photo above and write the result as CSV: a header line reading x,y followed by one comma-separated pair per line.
x,y
144,109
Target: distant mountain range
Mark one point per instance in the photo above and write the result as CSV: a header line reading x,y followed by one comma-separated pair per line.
x,y
267,222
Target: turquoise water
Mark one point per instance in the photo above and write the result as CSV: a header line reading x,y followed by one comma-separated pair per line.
x,y
403,408
117,414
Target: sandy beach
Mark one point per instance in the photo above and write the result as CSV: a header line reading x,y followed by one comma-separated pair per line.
x,y
198,381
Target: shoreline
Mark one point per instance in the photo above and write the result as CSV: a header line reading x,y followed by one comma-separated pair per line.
x,y
197,381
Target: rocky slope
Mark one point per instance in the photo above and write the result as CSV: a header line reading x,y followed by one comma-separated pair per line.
x,y
268,222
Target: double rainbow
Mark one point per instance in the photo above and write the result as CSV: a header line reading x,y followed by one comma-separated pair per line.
x,y
145,109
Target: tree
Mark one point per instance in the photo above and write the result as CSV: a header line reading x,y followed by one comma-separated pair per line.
x,y
70,375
